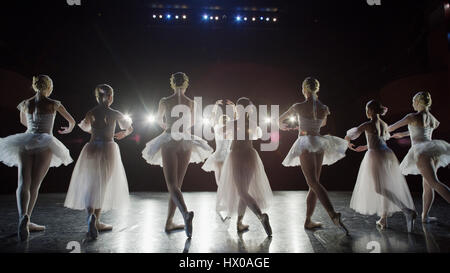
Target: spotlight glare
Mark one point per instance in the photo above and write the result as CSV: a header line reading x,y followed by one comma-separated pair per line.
x,y
261,18
168,16
292,119
127,117
253,19
160,16
205,121
154,16
238,18
274,19
268,120
217,18
211,17
245,18
205,16
184,16
267,19
176,17
151,118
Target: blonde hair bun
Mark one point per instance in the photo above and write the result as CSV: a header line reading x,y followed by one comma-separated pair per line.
x,y
179,80
102,91
311,85
423,98
42,83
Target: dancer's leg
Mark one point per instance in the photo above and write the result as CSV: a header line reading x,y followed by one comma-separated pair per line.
x,y
428,171
170,168
218,171
41,164
241,212
23,195
311,198
427,201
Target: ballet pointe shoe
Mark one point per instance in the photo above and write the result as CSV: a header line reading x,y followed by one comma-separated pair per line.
x,y
338,222
23,231
241,227
188,223
103,227
266,224
172,227
92,227
411,216
429,219
382,223
35,227
312,225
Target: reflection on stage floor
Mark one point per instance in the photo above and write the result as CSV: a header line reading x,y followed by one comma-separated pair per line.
x,y
140,228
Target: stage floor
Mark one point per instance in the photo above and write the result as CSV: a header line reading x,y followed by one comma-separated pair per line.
x,y
140,228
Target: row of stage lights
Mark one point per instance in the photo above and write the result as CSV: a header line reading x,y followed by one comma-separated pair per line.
x,y
206,17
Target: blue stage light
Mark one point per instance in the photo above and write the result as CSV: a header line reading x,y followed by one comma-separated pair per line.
x,y
238,18
168,16
205,17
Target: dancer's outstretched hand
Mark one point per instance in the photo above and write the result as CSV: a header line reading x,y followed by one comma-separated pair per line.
x,y
361,148
397,136
120,135
351,146
65,131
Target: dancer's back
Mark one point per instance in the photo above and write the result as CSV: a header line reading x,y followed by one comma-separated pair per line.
x,y
172,101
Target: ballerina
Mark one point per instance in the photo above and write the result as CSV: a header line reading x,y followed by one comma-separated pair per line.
x,y
426,155
215,161
243,182
174,150
380,187
36,150
311,150
99,182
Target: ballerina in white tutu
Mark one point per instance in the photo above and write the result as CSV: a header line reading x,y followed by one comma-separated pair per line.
x,y
215,161
174,150
243,182
99,182
36,150
380,187
426,155
312,150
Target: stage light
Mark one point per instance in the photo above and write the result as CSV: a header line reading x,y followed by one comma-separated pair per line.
x,y
274,19
176,17
217,18
211,17
184,17
253,19
268,120
261,18
127,117
267,19
160,16
292,119
154,16
168,16
205,17
245,18
238,18
151,119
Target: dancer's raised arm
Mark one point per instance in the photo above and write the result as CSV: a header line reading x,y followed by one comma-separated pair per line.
x,y
161,112
62,110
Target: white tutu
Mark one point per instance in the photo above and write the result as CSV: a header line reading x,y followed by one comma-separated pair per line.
x,y
219,155
243,170
333,148
380,168
99,179
12,146
438,150
200,148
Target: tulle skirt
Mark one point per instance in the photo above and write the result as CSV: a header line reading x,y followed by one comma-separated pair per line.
x,y
380,172
12,146
200,148
333,148
98,180
210,164
438,150
243,171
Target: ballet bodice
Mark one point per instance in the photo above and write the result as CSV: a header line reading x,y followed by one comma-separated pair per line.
x,y
310,126
376,142
40,123
103,133
222,143
420,134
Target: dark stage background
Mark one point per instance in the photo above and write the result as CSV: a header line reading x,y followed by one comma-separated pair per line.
x,y
357,51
